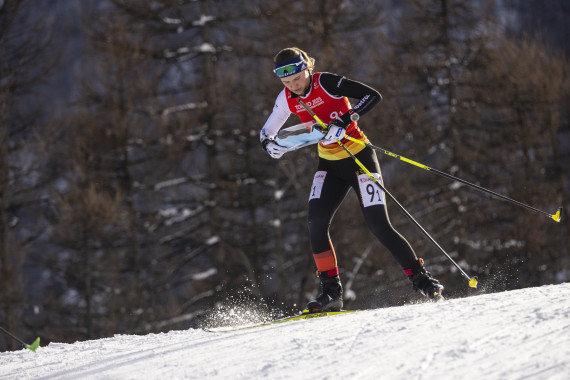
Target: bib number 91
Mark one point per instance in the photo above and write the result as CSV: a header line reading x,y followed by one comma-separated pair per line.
x,y
370,192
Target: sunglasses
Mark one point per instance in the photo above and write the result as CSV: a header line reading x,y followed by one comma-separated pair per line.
x,y
290,69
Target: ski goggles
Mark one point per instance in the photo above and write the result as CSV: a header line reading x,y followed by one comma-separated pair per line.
x,y
290,67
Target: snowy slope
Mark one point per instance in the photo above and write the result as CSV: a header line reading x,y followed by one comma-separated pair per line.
x,y
521,334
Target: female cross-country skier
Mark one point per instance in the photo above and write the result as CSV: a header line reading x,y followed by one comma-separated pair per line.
x,y
327,95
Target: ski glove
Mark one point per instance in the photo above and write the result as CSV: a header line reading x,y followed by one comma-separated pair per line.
x,y
274,150
336,131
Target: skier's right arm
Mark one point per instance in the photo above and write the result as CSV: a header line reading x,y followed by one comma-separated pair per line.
x,y
275,121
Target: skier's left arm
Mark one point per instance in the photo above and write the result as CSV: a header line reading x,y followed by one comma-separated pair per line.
x,y
367,97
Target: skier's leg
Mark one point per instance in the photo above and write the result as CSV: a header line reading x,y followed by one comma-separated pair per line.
x,y
378,222
376,217
327,193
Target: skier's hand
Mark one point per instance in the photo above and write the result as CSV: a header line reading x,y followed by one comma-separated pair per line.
x,y
336,131
317,127
275,150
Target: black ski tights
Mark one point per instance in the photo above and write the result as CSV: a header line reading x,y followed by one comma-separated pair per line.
x,y
331,184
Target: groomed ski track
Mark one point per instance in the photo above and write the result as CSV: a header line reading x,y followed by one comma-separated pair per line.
x,y
520,334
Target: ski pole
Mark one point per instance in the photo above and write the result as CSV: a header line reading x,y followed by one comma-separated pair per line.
x,y
556,216
472,280
32,347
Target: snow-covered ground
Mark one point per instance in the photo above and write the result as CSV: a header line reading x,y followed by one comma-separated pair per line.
x,y
521,334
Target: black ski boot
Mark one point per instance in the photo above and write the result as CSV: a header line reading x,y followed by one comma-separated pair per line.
x,y
423,281
331,297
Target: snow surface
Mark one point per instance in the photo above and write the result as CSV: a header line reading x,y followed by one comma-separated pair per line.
x,y
520,334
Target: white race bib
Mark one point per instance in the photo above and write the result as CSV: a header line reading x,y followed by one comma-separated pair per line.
x,y
317,186
370,192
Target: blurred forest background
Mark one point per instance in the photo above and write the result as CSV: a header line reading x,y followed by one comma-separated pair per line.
x,y
135,196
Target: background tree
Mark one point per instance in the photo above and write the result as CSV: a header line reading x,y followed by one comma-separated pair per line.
x,y
24,63
524,104
444,75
